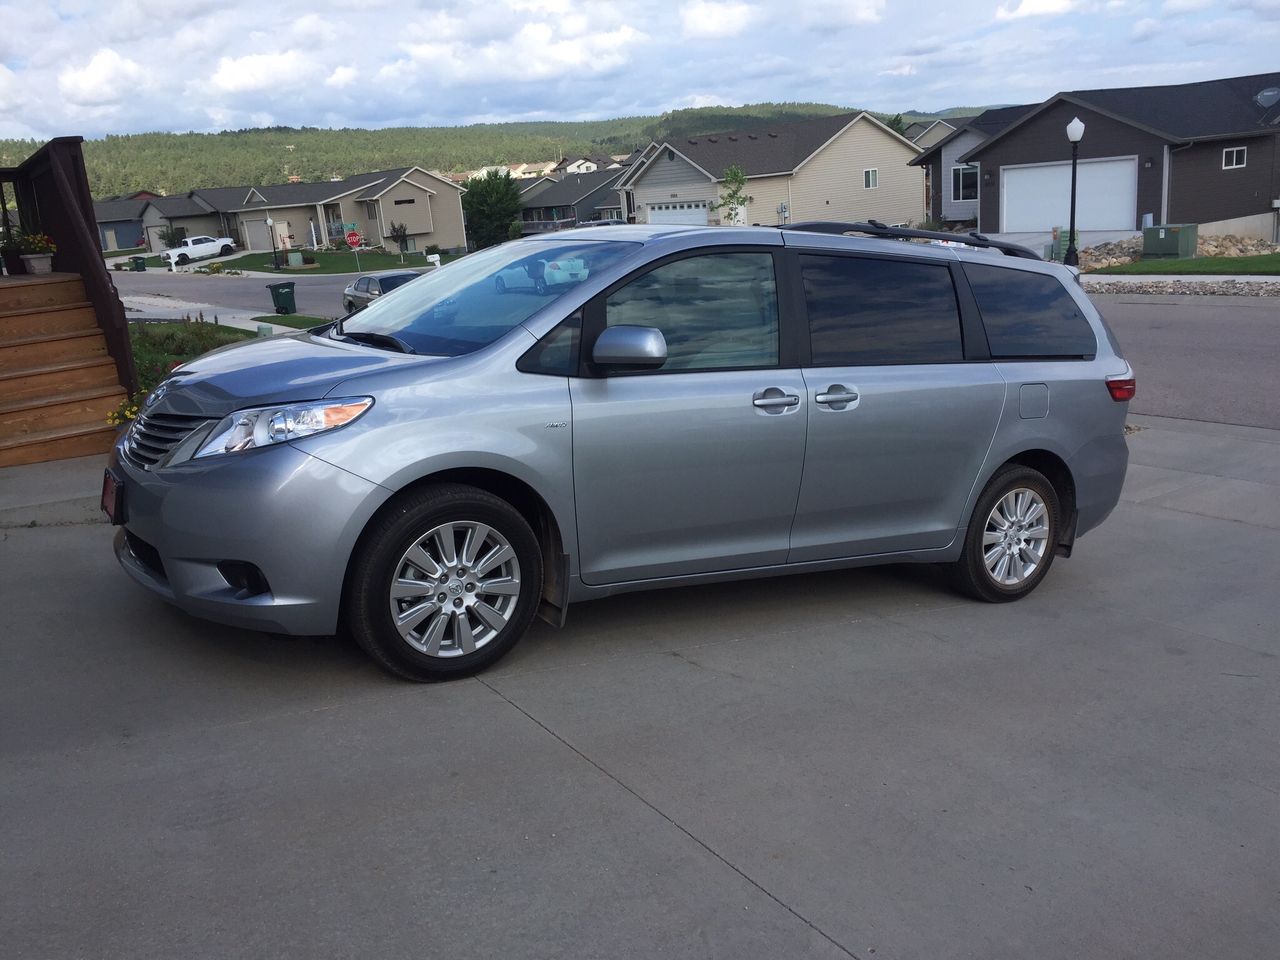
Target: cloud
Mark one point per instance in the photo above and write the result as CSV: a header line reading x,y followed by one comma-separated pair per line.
x,y
98,81
256,72
1145,29
341,77
1033,8
902,70
715,19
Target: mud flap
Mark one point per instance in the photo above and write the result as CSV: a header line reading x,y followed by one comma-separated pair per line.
x,y
1068,538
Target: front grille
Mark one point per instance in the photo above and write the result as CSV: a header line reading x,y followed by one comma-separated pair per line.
x,y
153,435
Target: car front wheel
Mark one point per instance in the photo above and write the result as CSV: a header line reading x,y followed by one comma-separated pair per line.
x,y
226,250
444,583
1012,535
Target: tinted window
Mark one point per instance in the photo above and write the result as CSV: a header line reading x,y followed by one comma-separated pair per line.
x,y
716,311
865,311
362,284
390,283
1029,314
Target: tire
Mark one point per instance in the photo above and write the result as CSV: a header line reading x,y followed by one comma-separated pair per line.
x,y
225,251
351,307
1025,501
499,285
540,286
183,259
390,572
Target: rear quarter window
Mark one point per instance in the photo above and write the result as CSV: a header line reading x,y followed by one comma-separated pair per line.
x,y
1029,315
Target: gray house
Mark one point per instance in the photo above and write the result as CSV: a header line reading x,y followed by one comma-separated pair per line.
x,y
120,222
577,198
1206,153
952,185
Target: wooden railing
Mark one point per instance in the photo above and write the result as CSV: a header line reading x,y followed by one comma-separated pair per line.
x,y
52,193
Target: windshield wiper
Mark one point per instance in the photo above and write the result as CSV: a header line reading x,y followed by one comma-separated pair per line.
x,y
379,339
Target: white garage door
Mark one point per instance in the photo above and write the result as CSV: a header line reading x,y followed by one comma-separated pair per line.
x,y
1038,198
256,235
692,212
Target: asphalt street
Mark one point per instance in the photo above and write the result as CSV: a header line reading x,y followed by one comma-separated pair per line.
x,y
858,764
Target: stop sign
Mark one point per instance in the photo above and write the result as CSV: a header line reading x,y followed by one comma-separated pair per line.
x,y
353,239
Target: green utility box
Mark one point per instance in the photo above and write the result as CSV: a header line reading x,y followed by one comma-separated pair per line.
x,y
1056,249
137,264
295,258
1173,241
282,296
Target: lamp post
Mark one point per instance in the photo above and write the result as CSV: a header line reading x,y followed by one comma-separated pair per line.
x,y
275,260
1075,133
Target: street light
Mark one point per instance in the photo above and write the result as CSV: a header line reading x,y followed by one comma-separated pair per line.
x,y
275,260
1075,133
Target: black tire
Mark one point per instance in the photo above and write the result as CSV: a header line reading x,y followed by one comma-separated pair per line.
x,y
183,259
971,573
377,562
539,286
226,250
499,285
351,307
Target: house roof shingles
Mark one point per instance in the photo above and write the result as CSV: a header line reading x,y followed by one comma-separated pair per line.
x,y
573,188
763,150
107,211
1193,111
987,124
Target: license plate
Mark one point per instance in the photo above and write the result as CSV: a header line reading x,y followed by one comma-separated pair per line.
x,y
113,497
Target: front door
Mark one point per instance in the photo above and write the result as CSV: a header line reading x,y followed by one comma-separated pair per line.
x,y
693,467
900,421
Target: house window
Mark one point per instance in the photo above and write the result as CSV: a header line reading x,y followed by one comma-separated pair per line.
x,y
964,182
400,203
870,179
1233,158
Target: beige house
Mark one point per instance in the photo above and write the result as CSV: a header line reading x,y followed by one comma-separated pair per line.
x,y
843,167
314,214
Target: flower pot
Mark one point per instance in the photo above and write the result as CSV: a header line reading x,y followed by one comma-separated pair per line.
x,y
13,264
38,262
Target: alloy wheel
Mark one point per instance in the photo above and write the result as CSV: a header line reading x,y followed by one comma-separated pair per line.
x,y
1015,537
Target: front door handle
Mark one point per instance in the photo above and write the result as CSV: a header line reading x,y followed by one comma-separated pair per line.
x,y
786,400
837,396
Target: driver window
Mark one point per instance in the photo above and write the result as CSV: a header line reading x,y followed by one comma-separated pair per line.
x,y
716,311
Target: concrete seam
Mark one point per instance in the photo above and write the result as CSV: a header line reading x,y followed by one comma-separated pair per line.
x,y
684,830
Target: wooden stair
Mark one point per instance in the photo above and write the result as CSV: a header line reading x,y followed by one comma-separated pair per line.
x,y
57,381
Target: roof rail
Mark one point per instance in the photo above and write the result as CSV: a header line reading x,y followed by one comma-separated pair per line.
x,y
875,228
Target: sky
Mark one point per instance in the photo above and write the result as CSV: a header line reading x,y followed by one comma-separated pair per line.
x,y
95,68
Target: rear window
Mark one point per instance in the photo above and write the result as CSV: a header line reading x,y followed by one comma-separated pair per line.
x,y
390,283
864,311
1029,315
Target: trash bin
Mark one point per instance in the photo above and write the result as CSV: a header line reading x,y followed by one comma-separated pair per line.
x,y
137,264
282,296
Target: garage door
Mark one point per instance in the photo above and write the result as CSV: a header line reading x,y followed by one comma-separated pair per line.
x,y
691,212
1039,198
256,235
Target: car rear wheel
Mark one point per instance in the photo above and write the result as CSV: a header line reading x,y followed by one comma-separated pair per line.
x,y
444,584
1012,535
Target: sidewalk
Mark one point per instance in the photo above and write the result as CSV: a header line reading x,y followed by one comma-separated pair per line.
x,y
1211,469
157,305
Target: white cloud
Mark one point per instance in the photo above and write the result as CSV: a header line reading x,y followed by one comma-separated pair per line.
x,y
341,77
1175,7
833,14
1033,8
902,70
1145,29
715,19
102,80
261,71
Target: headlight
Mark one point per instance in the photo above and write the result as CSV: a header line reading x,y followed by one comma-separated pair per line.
x,y
263,426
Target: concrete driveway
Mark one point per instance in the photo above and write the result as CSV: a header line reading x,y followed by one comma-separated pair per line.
x,y
854,764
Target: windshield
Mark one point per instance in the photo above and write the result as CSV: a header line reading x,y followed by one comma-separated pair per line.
x,y
471,303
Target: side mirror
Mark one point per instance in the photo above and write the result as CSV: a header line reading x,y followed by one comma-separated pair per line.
x,y
630,348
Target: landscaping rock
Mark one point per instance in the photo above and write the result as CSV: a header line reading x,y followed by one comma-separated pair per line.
x,y
1126,251
1207,287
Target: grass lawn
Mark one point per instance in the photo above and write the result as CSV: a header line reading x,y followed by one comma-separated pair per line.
x,y
1268,264
328,261
159,347
293,320
111,254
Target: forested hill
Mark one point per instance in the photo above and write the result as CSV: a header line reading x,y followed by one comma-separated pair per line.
x,y
175,162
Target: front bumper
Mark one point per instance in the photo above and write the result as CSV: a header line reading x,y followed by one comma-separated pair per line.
x,y
292,516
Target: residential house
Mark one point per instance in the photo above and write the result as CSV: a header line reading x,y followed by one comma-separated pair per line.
x,y
309,214
926,133
953,186
843,167
119,222
584,164
1205,152
576,198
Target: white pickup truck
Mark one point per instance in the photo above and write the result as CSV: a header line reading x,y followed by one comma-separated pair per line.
x,y
193,248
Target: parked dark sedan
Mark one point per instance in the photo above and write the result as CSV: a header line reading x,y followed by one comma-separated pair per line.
x,y
365,289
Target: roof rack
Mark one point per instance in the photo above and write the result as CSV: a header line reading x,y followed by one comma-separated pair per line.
x,y
874,228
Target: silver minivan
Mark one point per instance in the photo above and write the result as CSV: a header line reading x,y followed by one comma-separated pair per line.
x,y
436,470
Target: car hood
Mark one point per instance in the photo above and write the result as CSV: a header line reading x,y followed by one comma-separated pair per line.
x,y
281,369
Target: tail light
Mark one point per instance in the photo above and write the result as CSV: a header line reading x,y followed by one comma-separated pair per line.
x,y
1122,388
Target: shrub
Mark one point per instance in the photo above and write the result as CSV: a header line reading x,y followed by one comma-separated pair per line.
x,y
308,260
